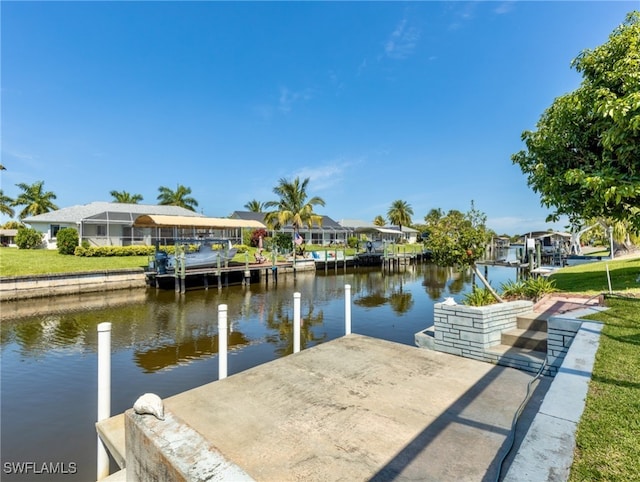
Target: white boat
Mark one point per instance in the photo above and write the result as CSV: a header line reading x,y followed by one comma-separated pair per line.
x,y
209,254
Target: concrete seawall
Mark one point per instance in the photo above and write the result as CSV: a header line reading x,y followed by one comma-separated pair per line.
x,y
45,285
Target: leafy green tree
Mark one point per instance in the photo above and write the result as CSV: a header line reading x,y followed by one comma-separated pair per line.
x,y
282,242
400,213
5,205
293,206
180,197
35,200
125,197
379,220
28,238
459,240
67,240
254,206
584,157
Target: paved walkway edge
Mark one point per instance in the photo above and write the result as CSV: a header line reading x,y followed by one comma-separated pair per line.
x,y
546,453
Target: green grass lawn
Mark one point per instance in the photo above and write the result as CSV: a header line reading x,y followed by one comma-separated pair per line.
x,y
608,436
18,262
591,278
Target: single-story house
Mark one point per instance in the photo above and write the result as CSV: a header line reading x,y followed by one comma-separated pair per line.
x,y
389,234
327,233
8,237
105,223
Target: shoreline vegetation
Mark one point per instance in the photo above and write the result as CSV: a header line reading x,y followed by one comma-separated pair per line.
x,y
24,262
608,435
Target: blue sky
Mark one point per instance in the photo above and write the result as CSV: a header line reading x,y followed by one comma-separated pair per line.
x,y
373,101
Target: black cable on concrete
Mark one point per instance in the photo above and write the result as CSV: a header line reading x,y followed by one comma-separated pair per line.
x,y
523,404
516,416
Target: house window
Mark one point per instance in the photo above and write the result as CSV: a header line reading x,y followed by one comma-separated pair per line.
x,y
54,230
101,230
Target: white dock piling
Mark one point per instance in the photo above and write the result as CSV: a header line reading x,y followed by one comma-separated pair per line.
x,y
347,309
104,392
296,322
222,342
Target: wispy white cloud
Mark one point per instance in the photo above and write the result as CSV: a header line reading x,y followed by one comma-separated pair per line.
x,y
462,14
504,7
402,41
328,175
288,98
362,67
263,111
336,81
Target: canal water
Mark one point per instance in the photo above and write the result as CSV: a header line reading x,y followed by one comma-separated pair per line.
x,y
166,343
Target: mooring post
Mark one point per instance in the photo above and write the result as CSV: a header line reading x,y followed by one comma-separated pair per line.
x,y
347,309
104,392
183,273
296,322
222,342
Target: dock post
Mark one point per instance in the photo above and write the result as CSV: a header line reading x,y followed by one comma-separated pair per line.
x,y
183,273
104,392
218,273
222,342
296,322
347,309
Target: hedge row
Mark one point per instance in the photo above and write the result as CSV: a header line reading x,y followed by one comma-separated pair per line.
x,y
105,251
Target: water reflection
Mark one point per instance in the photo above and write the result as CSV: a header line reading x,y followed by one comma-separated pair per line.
x,y
169,355
166,343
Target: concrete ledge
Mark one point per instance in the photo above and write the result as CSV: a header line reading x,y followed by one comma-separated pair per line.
x,y
170,449
119,476
111,433
36,286
547,450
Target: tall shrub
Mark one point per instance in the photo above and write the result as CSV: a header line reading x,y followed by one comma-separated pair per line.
x,y
28,238
67,240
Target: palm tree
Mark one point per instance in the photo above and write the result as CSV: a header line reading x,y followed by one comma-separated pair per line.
x,y
434,216
379,221
400,213
125,197
254,206
293,206
180,197
5,205
35,200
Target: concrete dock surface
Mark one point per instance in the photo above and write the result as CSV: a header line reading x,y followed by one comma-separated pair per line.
x,y
359,408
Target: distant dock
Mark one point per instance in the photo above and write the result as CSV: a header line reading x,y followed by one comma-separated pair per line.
x,y
234,274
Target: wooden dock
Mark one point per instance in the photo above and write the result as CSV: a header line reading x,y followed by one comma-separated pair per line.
x,y
233,274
